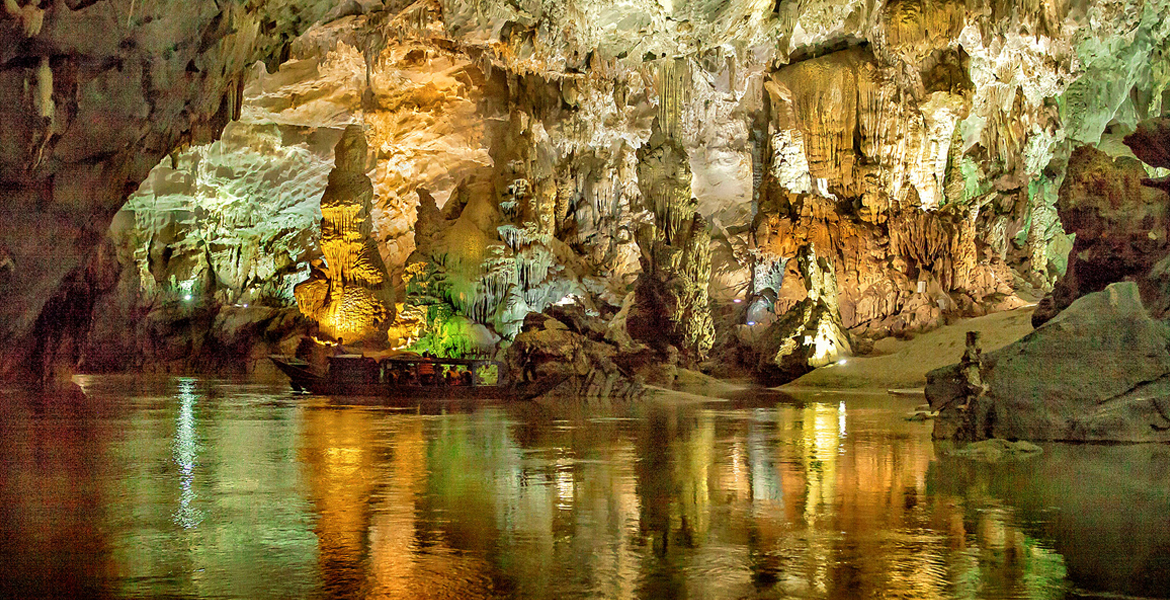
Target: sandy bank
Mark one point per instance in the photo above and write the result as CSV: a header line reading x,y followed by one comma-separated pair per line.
x,y
904,364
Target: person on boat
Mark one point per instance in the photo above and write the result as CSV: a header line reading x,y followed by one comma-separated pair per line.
x,y
467,378
305,348
426,372
449,377
313,353
528,371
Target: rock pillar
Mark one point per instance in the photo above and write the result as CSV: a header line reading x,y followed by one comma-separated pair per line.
x,y
348,292
809,335
672,305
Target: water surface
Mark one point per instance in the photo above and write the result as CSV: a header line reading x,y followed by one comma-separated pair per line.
x,y
202,488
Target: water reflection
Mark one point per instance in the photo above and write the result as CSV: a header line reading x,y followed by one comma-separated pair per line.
x,y
197,488
185,452
1100,512
650,501
51,498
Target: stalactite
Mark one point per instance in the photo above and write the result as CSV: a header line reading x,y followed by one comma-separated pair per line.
x,y
674,93
678,247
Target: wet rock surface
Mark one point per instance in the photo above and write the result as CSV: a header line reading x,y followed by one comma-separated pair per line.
x,y
572,348
807,336
222,230
1099,371
995,450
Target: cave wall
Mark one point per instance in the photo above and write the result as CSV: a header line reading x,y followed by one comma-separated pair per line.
x,y
916,145
92,95
208,250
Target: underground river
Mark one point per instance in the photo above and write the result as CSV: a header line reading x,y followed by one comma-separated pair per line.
x,y
214,488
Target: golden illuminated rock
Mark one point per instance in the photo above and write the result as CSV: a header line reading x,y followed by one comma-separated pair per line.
x,y
918,144
809,335
348,292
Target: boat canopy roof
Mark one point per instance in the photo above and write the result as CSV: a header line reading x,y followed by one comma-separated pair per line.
x,y
412,358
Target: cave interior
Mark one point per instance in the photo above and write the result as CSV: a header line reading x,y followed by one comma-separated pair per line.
x,y
752,188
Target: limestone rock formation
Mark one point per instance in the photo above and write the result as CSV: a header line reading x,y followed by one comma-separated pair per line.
x,y
807,336
865,167
1151,144
918,145
348,293
1097,372
92,96
572,347
671,306
1121,229
215,234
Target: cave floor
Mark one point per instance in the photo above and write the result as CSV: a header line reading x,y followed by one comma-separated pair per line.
x,y
202,488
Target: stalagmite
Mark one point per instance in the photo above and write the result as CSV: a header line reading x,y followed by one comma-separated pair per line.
x,y
918,145
672,301
810,334
348,294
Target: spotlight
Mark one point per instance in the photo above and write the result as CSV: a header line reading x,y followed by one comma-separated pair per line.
x,y
750,323
737,300
187,297
842,361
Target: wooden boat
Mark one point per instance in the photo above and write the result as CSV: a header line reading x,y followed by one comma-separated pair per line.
x,y
405,377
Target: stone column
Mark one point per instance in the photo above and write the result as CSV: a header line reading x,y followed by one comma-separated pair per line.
x,y
348,292
672,304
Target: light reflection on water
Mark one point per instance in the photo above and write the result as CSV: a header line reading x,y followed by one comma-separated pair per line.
x,y
185,453
205,488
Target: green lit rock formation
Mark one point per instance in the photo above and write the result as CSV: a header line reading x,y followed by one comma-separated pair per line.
x,y
92,96
204,255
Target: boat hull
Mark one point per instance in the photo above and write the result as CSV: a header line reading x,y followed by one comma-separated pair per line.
x,y
304,379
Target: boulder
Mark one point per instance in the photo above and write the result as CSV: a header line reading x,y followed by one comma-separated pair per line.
x,y
548,348
1099,371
